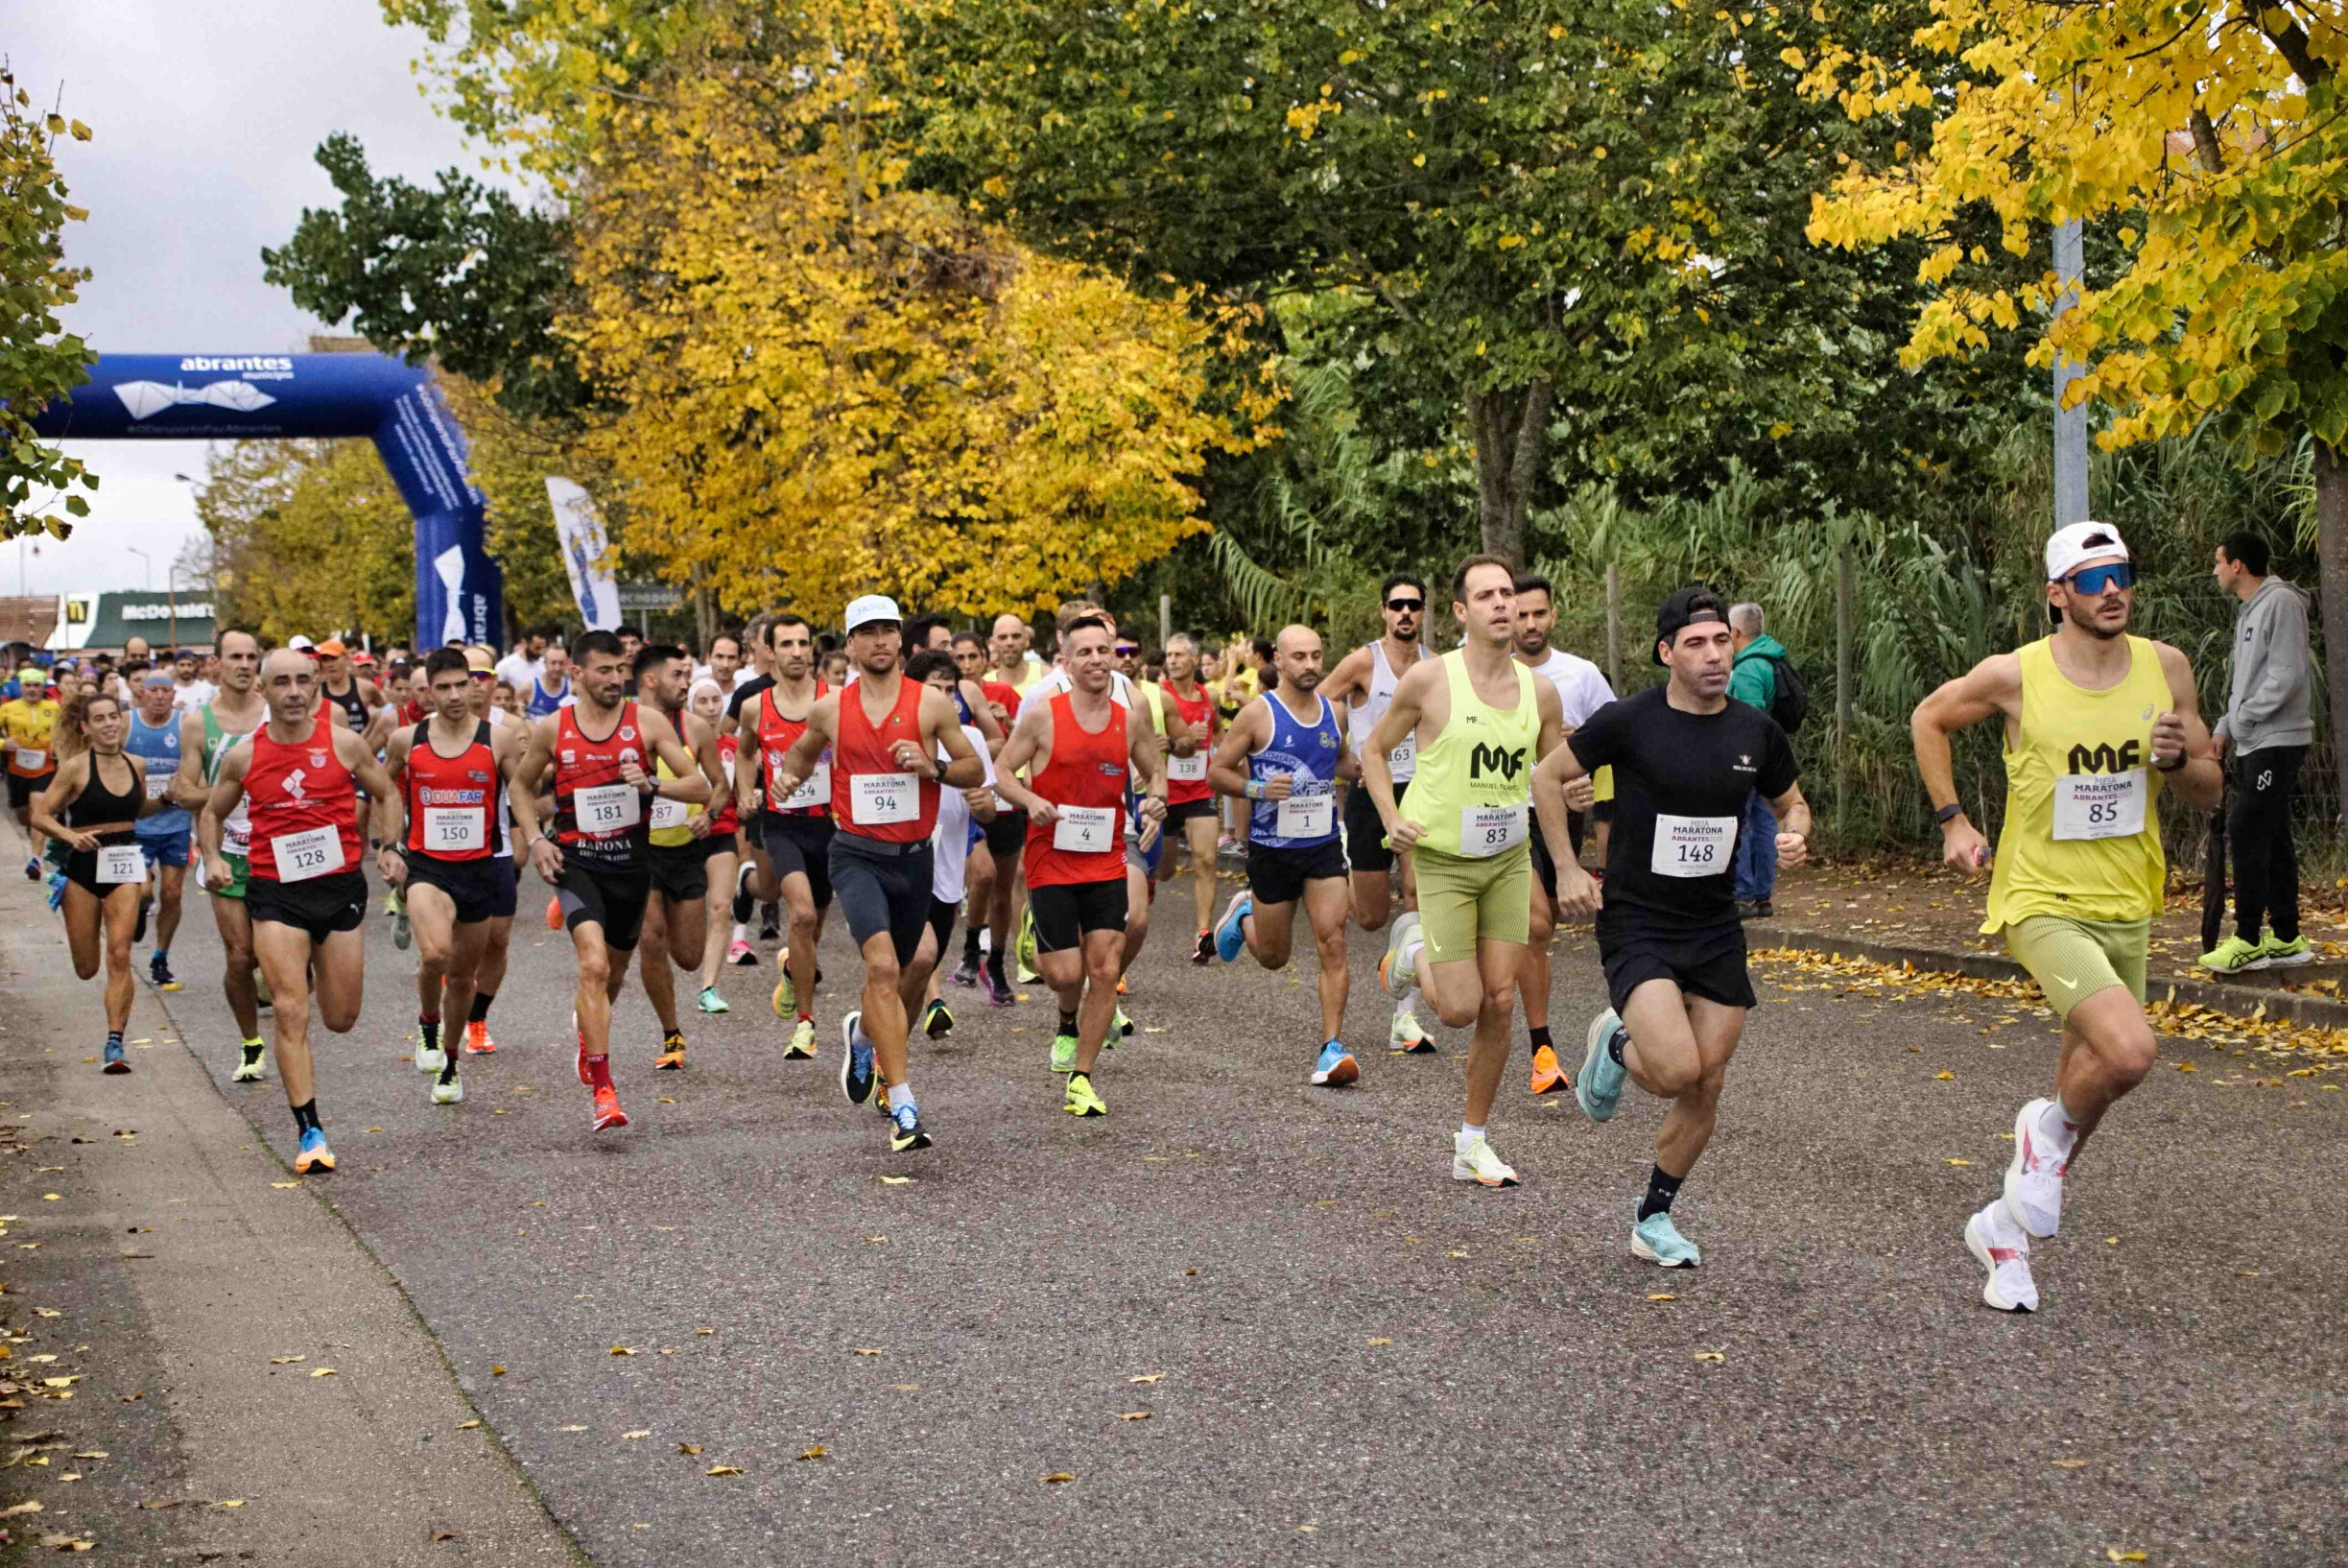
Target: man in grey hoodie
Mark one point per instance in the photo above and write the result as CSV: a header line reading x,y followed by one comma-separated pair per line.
x,y
2266,732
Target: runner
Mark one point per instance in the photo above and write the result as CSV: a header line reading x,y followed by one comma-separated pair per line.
x,y
985,864
1686,757
956,844
754,869
1364,681
1191,810
166,835
796,824
1476,722
189,689
722,847
2079,870
358,699
452,771
884,734
1282,754
542,699
91,805
28,725
677,920
497,941
1007,645
1581,691
596,858
1084,749
205,734
298,776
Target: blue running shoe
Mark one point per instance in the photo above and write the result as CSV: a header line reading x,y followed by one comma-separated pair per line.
x,y
1657,1239
1229,939
114,1063
1599,1085
1335,1066
315,1155
856,1061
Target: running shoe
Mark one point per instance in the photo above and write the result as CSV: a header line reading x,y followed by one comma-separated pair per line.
x,y
2285,955
998,989
1407,1036
2034,1177
906,1132
672,1057
770,929
741,954
2002,1248
158,970
2234,955
1472,1160
1229,939
938,1020
1121,1027
56,891
314,1155
249,1069
711,1001
477,1041
448,1089
1205,948
1597,1088
114,1063
402,932
1081,1100
786,994
966,974
1397,977
1063,1053
856,1070
1657,1239
430,1059
1335,1066
608,1112
32,869
1024,948
801,1046
1547,1076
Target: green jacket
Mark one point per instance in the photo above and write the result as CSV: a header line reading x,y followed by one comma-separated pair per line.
x,y
1754,678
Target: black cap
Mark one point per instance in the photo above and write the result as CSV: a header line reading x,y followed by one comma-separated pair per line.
x,y
1691,605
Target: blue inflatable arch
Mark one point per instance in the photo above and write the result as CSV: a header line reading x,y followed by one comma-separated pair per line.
x,y
460,593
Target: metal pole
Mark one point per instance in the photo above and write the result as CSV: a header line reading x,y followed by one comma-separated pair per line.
x,y
1846,593
2070,425
1165,620
1614,626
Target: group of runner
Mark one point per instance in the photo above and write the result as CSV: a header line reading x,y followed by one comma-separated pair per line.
x,y
1442,798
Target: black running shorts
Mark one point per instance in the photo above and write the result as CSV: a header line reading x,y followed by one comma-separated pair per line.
x,y
608,897
1709,964
883,888
802,846
319,907
1066,911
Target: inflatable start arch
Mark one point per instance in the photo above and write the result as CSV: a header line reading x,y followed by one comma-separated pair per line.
x,y
460,593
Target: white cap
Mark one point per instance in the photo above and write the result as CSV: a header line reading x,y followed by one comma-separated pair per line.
x,y
872,607
2081,542
297,640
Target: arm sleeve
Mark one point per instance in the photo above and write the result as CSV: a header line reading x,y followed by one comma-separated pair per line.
x,y
1598,743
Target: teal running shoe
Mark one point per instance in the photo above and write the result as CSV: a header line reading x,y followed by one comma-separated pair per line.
x,y
1657,1239
1229,939
115,1062
712,1002
1598,1086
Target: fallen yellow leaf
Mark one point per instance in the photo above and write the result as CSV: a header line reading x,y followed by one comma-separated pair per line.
x,y
570,1429
869,1350
33,1505
1663,1295
722,1470
1943,1075
322,1371
285,1186
688,1449
1954,1161
2245,1273
1710,1355
497,1372
622,1350
816,1453
1133,1416
635,1437
230,1503
1147,1377
2112,1551
63,1381
895,1181
466,1426
2070,1464
286,1360
1381,1342
1057,1477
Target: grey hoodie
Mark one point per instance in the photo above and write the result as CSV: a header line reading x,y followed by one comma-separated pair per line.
x,y
2267,703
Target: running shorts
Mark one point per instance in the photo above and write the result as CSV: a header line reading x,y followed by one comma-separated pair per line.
x,y
503,902
240,875
22,790
1544,867
681,871
168,848
801,845
2072,960
1707,964
1462,901
1365,845
1277,875
1007,836
883,888
612,899
473,886
82,868
1209,807
941,923
1065,911
319,907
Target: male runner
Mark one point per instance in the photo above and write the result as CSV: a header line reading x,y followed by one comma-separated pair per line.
x,y
596,858
1478,721
884,734
1008,643
677,920
27,727
298,778
541,697
1581,691
1193,728
957,847
1084,750
165,838
189,689
1281,754
359,700
489,975
2094,721
796,828
1363,683
1686,758
452,771
205,734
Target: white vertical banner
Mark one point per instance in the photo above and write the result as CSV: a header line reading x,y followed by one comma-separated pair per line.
x,y
581,530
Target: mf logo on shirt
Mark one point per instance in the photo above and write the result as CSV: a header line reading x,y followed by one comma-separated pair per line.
x,y
1494,759
2103,759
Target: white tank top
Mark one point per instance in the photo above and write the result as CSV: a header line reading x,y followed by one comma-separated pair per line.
x,y
1402,761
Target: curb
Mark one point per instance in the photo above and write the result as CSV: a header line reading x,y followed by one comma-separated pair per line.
x,y
2241,1002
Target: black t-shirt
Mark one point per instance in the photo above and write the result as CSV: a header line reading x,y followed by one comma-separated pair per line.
x,y
1697,770
745,694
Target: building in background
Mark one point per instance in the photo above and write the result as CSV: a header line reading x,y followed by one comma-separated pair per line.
x,y
105,623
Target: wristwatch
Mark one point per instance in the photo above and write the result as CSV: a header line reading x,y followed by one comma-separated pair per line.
x,y
1946,814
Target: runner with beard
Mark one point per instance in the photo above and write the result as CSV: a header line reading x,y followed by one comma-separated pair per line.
x,y
706,702
796,824
1193,813
983,865
205,733
676,920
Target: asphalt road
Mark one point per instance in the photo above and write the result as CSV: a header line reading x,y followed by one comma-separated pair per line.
x,y
1342,1356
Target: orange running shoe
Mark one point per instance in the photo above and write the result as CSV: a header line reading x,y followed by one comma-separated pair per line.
x,y
477,1041
608,1112
672,1057
1547,1075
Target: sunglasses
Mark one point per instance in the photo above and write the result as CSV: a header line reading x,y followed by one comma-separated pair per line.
x,y
2097,579
1405,607
1126,650
484,674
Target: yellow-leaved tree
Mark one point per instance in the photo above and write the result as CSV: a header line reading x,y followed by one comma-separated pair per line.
x,y
2212,138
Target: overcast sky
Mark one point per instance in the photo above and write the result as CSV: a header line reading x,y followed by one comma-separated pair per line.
x,y
205,120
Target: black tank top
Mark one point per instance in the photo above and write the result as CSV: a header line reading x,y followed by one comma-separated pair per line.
x,y
98,805
351,704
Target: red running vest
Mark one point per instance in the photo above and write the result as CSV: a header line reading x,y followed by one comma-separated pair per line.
x,y
861,750
298,789
1086,770
583,762
777,735
452,798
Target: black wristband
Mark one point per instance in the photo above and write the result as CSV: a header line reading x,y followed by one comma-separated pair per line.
x,y
1948,813
2160,767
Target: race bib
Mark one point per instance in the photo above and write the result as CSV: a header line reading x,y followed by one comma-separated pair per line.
x,y
236,835
1085,830
815,791
1490,830
30,761
1402,761
881,798
1693,845
455,830
1190,769
158,786
119,863
1305,817
301,856
2100,806
608,808
667,813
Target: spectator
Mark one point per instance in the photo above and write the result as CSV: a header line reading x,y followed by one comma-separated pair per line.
x,y
526,664
1753,679
2265,729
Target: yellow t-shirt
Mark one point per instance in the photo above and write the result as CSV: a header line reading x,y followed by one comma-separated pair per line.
x,y
30,726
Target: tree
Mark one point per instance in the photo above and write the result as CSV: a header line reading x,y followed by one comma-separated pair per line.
x,y
308,537
2211,143
40,364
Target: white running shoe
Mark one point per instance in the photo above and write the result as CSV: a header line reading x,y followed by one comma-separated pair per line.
x,y
432,1060
1407,1034
2034,1179
448,1091
1999,1246
1472,1160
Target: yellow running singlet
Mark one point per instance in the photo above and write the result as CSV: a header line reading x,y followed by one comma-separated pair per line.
x,y
1473,790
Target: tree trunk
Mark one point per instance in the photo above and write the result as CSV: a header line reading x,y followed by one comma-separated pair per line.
x,y
2332,554
1510,428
